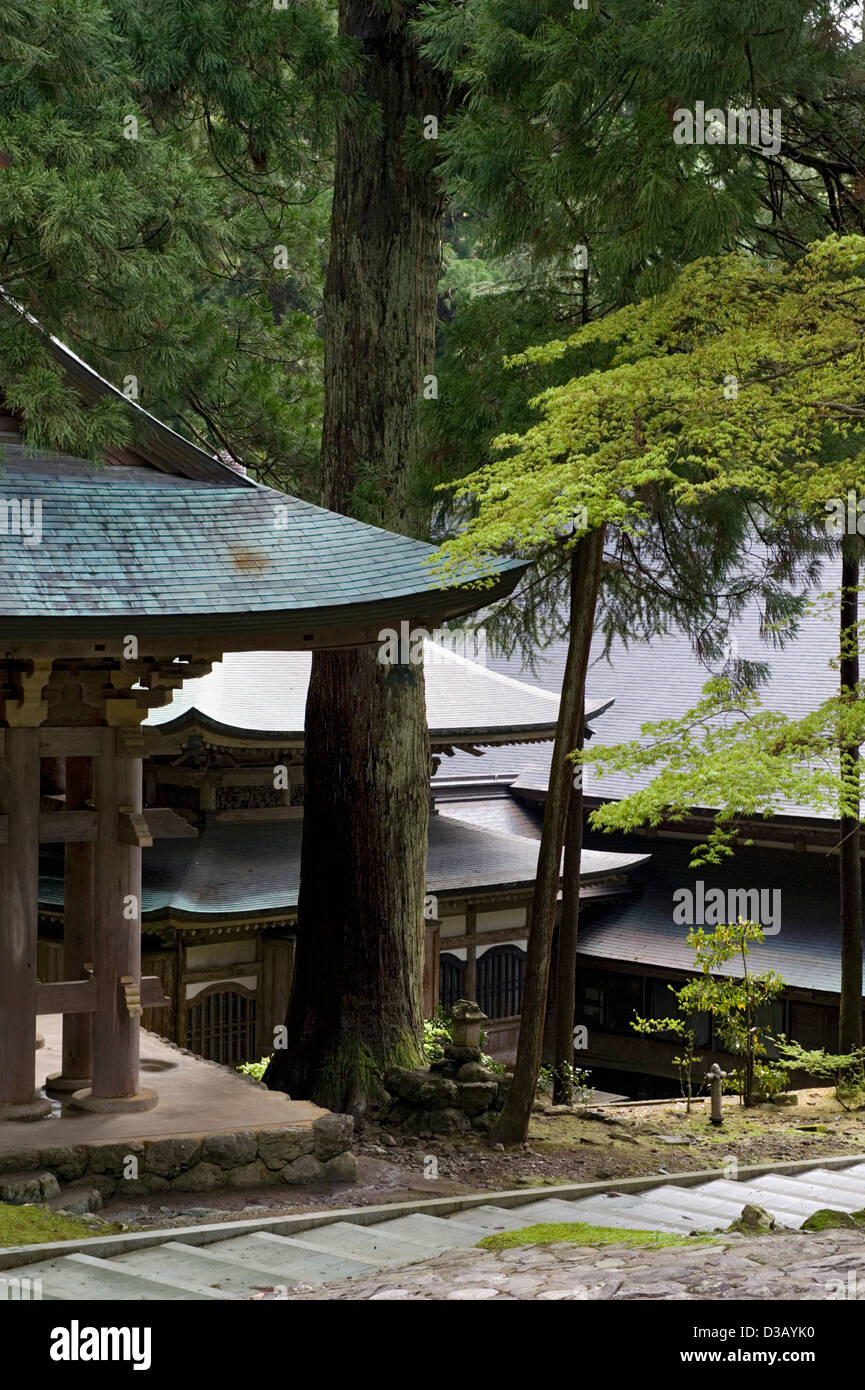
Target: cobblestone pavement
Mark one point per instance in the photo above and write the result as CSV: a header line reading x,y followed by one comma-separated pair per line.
x,y
826,1266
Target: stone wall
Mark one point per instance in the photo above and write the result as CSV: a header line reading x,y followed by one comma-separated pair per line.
x,y
81,1176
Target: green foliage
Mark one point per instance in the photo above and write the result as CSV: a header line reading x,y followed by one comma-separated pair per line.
x,y
577,1081
254,1069
564,133
734,1004
731,753
438,1031
844,1070
154,158
689,1059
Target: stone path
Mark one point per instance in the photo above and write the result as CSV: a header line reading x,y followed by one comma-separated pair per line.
x,y
767,1268
384,1250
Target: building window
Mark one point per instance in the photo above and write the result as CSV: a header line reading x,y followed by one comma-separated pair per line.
x,y
452,973
500,981
220,1024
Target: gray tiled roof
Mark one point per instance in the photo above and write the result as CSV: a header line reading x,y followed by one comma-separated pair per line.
x,y
265,693
660,680
170,553
237,869
806,952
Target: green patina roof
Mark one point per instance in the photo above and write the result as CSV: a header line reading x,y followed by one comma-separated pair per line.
x,y
177,554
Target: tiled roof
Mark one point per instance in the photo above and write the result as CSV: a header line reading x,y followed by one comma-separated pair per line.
x,y
660,680
121,544
806,952
464,700
237,869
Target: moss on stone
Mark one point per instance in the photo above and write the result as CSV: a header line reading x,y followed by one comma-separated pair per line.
x,y
580,1233
32,1225
828,1220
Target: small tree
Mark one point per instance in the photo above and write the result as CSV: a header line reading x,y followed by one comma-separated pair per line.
x,y
688,1060
733,1003
844,1070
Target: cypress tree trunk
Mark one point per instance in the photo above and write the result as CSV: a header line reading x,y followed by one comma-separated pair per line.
x,y
849,851
513,1124
356,1001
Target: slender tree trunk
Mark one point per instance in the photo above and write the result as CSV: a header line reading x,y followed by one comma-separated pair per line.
x,y
566,966
356,1001
569,918
513,1124
849,853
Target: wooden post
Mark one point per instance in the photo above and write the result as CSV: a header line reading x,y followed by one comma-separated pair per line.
x,y
77,934
19,904
117,783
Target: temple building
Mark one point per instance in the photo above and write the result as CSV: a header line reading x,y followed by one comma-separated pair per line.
x,y
632,953
118,582
219,912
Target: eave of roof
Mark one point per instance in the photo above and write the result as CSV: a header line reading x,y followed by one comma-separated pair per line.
x,y
249,567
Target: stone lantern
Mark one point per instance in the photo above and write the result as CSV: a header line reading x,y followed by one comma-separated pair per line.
x,y
467,1020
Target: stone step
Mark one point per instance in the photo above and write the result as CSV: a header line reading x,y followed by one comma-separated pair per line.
x,y
808,1192
291,1259
90,1279
207,1265
378,1242
434,1233
492,1219
597,1211
788,1211
696,1199
839,1181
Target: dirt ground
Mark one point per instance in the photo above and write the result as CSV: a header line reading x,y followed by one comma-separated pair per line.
x,y
565,1146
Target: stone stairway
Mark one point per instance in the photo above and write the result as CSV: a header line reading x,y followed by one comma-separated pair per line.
x,y
239,1265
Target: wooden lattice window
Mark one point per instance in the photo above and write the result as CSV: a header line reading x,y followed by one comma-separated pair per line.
x,y
220,1024
452,973
500,981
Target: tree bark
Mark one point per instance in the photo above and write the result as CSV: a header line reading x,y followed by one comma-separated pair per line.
x,y
356,999
513,1124
569,921
849,851
566,968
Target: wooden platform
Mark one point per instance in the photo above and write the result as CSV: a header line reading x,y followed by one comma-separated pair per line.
x,y
195,1097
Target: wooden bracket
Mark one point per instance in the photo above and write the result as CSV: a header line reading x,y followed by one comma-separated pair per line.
x,y
131,995
132,828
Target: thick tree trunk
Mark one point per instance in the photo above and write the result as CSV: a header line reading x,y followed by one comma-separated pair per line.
x,y
356,999
849,853
513,1125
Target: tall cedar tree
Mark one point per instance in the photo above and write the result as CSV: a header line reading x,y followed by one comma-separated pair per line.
x,y
356,1004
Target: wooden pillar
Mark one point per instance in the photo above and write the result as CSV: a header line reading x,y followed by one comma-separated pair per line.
x,y
19,904
432,944
77,934
470,987
470,984
117,788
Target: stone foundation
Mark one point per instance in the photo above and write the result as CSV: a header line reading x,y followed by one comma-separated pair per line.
x,y
455,1095
83,1176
